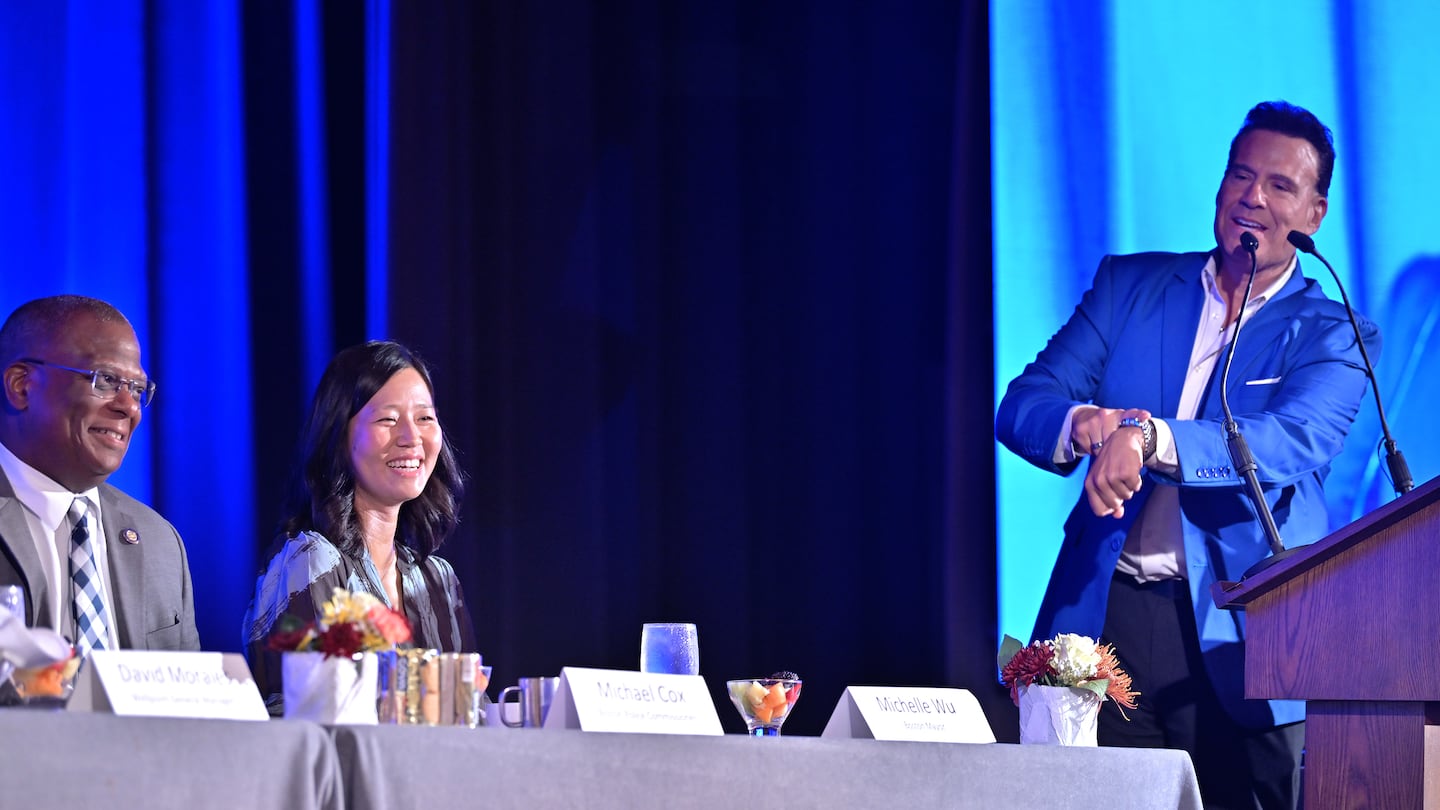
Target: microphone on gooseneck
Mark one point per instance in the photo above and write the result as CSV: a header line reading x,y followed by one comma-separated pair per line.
x,y
1394,459
1240,457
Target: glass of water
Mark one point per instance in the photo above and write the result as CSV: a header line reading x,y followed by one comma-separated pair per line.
x,y
12,601
669,647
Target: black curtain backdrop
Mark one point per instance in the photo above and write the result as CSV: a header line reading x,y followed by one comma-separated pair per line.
x,y
706,289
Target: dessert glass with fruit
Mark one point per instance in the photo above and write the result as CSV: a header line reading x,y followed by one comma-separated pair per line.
x,y
764,703
49,685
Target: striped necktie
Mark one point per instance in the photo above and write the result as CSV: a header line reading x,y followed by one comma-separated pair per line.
x,y
91,620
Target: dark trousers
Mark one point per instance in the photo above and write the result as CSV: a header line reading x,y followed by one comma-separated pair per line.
x,y
1152,627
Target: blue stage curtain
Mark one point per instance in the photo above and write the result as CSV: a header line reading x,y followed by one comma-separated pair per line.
x,y
124,163
1111,126
702,286
704,281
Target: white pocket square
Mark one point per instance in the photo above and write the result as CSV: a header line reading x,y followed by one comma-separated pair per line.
x,y
1266,381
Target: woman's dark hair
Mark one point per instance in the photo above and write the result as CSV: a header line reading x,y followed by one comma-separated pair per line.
x,y
322,485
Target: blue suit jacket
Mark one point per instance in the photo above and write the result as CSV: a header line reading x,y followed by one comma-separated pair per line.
x,y
1295,386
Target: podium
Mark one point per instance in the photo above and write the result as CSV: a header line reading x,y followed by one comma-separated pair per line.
x,y
1351,624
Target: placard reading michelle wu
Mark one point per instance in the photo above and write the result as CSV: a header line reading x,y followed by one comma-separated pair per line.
x,y
914,714
637,702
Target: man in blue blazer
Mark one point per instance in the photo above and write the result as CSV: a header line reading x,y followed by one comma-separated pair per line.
x,y
73,395
1133,380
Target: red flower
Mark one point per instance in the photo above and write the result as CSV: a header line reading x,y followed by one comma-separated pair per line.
x,y
357,622
391,625
1028,664
341,640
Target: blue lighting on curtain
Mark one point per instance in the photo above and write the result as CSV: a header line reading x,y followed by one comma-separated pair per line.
x,y
310,170
377,168
122,152
1110,137
72,145
200,288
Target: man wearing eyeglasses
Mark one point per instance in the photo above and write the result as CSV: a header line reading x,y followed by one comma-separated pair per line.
x,y
96,565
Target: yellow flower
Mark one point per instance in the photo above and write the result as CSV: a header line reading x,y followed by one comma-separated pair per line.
x,y
347,623
345,607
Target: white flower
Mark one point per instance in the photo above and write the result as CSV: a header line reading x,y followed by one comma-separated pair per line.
x,y
1077,658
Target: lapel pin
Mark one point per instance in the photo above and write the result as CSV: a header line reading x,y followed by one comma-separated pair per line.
x,y
130,536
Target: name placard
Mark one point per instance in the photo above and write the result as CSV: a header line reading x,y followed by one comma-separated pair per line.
x,y
634,702
911,714
153,683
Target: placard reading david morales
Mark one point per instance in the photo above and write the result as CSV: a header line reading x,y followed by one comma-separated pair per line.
x,y
910,713
636,702
169,684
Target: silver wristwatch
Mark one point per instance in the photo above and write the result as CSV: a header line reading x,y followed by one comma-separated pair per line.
x,y
1147,433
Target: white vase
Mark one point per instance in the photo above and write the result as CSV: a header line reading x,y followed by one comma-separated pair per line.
x,y
329,689
1058,715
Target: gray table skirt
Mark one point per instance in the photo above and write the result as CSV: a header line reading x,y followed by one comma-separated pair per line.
x,y
76,760
389,767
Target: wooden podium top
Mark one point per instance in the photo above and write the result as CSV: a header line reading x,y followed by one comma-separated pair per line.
x,y
1350,623
1352,616
1237,595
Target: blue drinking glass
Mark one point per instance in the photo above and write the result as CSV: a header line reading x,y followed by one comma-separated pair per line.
x,y
669,647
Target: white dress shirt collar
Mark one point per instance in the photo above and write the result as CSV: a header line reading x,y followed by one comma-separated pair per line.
x,y
45,498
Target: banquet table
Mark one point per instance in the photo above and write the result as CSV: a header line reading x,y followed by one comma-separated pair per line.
x,y
407,766
58,759
72,759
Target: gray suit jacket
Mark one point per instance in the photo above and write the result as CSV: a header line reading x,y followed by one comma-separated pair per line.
x,y
150,580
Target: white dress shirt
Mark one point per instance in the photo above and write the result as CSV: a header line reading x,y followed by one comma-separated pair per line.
x,y
47,508
1154,547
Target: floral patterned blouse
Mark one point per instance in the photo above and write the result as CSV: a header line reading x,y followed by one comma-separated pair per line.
x,y
307,568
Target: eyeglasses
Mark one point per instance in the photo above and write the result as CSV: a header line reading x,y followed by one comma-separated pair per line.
x,y
106,385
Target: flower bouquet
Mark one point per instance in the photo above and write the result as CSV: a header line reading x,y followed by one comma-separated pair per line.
x,y
1059,685
329,668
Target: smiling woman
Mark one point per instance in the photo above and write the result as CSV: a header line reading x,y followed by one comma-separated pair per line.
x,y
394,443
375,493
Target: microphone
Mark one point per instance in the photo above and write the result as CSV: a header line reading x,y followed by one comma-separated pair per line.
x,y
1240,456
1394,459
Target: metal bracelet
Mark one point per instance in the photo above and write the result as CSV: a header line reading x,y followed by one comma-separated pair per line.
x,y
1147,433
